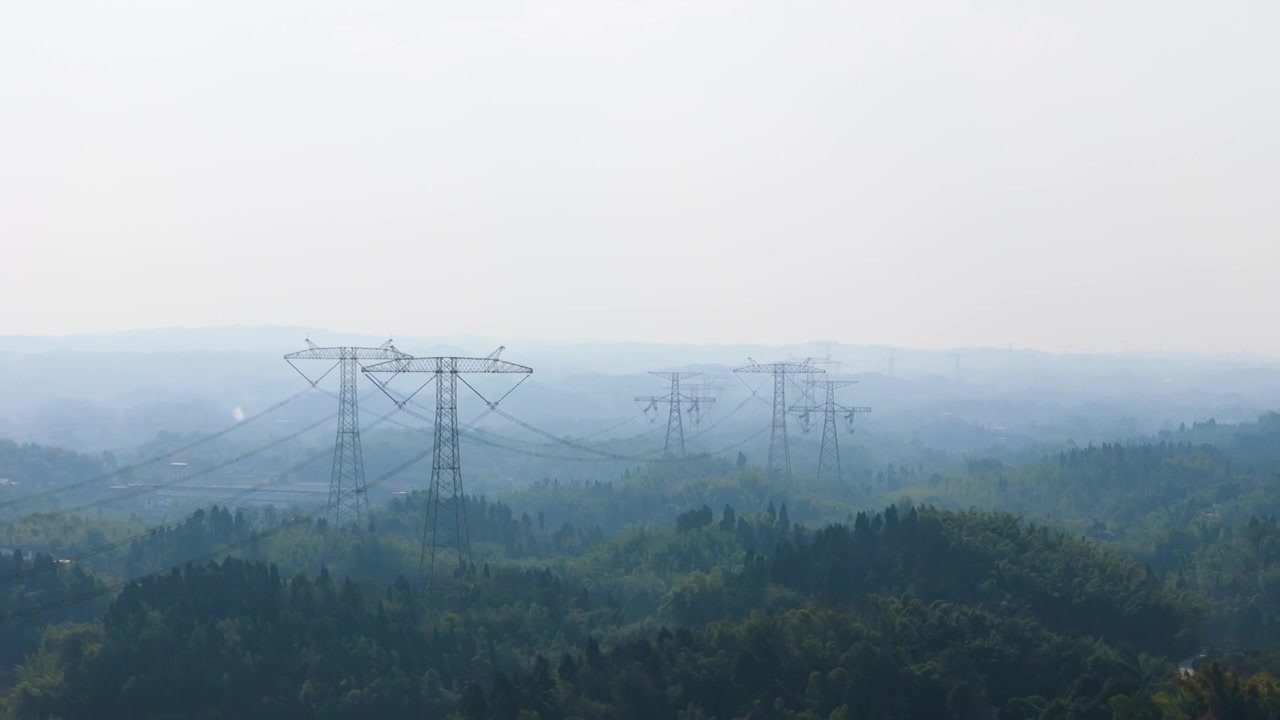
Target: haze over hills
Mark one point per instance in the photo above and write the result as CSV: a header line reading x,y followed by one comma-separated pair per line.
x,y
113,390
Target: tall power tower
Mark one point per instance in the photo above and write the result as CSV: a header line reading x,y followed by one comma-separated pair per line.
x,y
676,399
347,500
444,533
829,455
779,450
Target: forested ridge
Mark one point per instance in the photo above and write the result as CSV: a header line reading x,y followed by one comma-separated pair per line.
x,y
915,613
692,590
881,612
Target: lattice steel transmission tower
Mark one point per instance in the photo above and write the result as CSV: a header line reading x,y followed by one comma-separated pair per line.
x,y
348,502
825,363
829,454
444,532
674,446
779,450
705,393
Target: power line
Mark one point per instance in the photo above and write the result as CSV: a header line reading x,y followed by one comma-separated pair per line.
x,y
136,490
143,463
611,428
98,550
603,455
254,537
570,443
503,443
473,437
108,547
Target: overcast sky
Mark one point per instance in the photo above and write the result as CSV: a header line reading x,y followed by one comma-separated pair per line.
x,y
1092,174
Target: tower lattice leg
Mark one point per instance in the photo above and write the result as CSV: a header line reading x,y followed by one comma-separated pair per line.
x,y
446,544
829,456
348,502
675,422
779,451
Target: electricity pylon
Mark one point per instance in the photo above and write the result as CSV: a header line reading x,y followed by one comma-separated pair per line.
x,y
829,455
444,532
348,501
825,363
675,420
704,394
779,450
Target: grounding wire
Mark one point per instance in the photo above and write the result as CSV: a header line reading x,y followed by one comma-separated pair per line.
x,y
719,420
492,407
481,439
604,456
107,547
144,489
550,436
754,393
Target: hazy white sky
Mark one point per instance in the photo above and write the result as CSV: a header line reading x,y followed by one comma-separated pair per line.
x,y
1082,173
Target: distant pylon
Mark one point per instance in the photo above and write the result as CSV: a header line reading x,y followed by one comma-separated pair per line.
x,y
444,532
825,363
779,450
829,455
348,502
704,394
674,446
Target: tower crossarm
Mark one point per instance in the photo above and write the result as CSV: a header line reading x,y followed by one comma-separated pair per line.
x,y
668,398
807,408
344,353
454,365
781,367
674,375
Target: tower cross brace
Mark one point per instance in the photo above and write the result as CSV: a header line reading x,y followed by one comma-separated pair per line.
x,y
348,501
674,446
444,532
779,449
